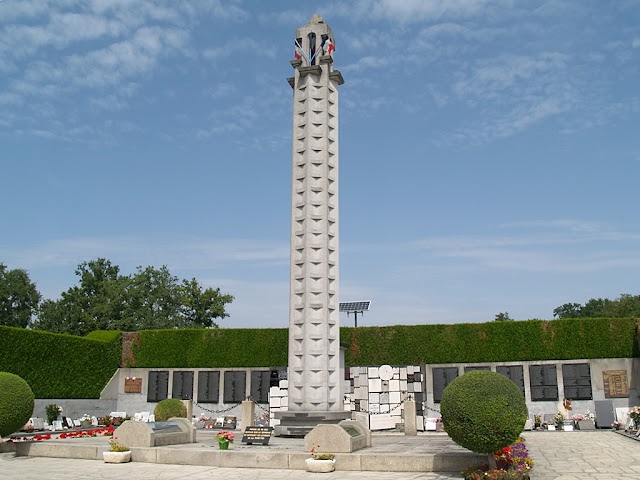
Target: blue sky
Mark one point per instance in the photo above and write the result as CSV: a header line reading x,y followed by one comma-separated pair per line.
x,y
489,150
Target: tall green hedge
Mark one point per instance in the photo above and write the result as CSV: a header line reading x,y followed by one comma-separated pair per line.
x,y
59,366
492,341
65,366
237,347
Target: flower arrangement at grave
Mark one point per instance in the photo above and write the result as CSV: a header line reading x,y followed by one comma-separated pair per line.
x,y
108,420
576,417
558,418
224,438
52,410
321,456
263,417
320,462
115,446
616,425
634,414
512,463
98,432
117,453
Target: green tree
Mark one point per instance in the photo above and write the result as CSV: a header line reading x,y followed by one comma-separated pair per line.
x,y
200,308
151,298
19,298
97,303
503,317
568,310
624,306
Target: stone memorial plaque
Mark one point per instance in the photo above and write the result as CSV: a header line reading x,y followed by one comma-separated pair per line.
x,y
375,385
132,385
256,434
616,384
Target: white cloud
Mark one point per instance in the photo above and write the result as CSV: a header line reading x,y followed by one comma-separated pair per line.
x,y
489,79
232,47
177,252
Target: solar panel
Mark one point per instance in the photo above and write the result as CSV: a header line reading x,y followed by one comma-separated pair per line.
x,y
354,306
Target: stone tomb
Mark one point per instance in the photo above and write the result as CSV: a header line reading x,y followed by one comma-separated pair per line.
x,y
156,434
344,437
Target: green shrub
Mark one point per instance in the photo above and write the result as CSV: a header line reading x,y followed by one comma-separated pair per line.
x,y
483,411
16,403
170,407
52,410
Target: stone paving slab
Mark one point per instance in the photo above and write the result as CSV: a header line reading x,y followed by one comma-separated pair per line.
x,y
597,455
389,452
577,455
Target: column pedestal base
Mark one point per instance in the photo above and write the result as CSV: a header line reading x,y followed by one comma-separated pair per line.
x,y
298,424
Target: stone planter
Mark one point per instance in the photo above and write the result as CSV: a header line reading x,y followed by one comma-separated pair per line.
x,y
85,424
117,457
320,466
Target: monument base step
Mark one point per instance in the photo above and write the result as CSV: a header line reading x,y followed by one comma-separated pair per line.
x,y
298,424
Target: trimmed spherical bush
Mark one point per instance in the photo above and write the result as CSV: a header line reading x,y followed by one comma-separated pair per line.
x,y
170,407
16,403
483,411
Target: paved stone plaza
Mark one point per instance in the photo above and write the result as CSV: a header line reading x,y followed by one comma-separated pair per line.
x,y
602,455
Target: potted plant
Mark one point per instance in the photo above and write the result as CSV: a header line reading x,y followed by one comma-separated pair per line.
x,y
558,419
616,425
117,452
224,438
320,462
85,421
537,421
52,410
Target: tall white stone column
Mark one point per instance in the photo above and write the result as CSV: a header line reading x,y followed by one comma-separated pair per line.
x,y
315,372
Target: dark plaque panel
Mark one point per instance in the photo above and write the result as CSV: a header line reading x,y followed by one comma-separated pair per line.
x,y
515,373
158,386
544,382
208,386
234,386
577,381
182,385
441,378
260,383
